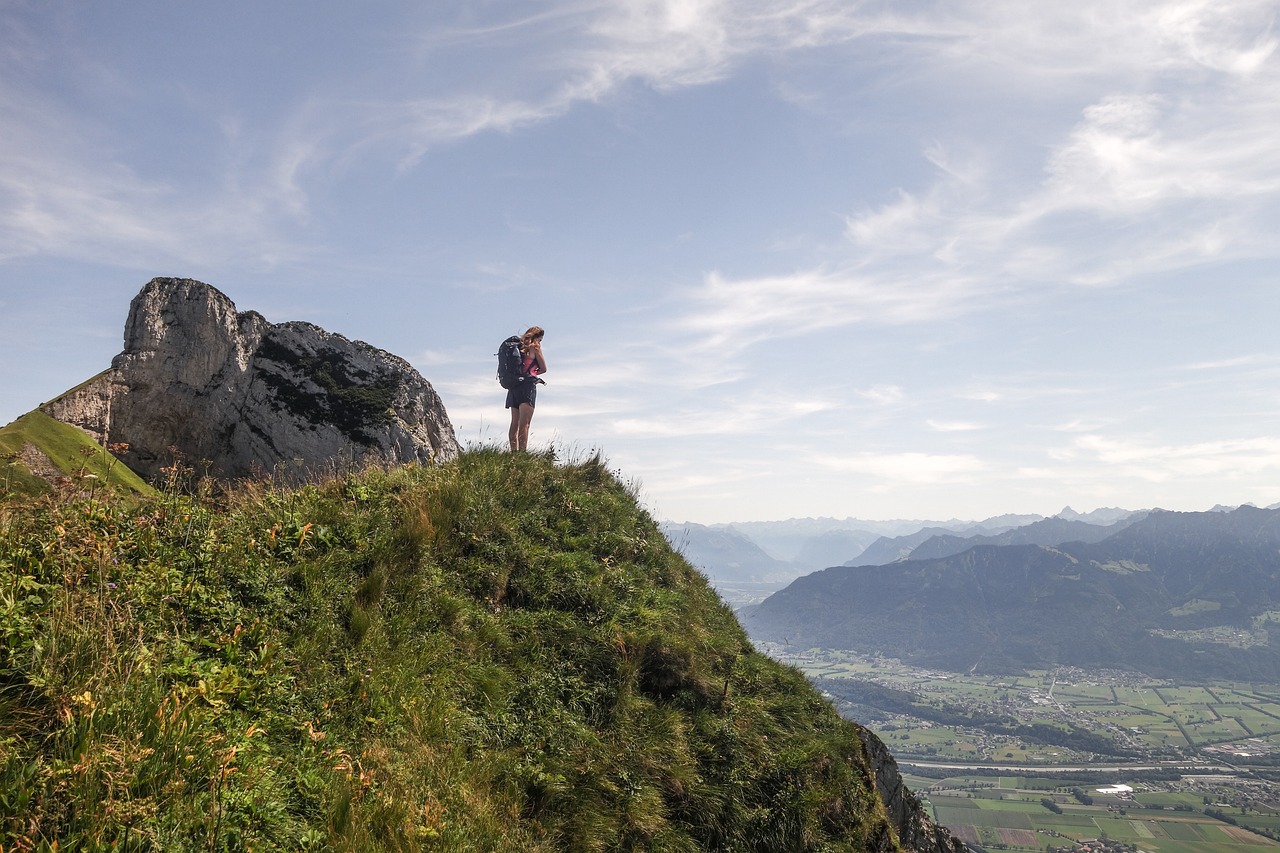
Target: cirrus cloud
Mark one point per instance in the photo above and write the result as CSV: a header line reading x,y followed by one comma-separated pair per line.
x,y
907,467
1225,458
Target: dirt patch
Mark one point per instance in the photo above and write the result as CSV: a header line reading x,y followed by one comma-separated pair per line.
x,y
1018,837
38,463
1243,835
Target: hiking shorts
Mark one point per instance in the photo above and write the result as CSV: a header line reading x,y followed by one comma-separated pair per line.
x,y
525,392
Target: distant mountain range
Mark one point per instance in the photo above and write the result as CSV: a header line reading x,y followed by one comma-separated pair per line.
x,y
726,554
1066,526
779,551
1166,593
1047,531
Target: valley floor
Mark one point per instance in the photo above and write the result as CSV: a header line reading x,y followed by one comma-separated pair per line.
x,y
1193,814
1202,759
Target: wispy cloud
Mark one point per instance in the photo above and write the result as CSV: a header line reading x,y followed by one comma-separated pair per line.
x,y
62,194
588,51
883,395
734,417
907,467
1229,458
1170,164
1239,361
1132,147
734,314
1077,425
953,426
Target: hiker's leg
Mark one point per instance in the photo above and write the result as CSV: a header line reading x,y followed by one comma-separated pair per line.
x,y
513,434
526,417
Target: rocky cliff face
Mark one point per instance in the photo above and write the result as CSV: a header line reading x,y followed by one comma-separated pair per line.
x,y
915,831
234,395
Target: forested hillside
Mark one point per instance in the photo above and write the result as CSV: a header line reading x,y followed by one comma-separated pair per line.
x,y
1176,594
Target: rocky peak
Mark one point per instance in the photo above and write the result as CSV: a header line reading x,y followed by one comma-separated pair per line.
x,y
235,395
181,315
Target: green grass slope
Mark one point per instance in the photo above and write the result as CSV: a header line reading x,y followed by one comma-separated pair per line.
x,y
71,451
501,654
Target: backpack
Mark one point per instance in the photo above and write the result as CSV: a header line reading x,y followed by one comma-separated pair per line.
x,y
510,363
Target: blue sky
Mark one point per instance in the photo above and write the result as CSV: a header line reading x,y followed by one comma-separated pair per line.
x,y
794,258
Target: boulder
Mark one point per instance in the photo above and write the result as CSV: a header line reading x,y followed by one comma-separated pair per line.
x,y
232,395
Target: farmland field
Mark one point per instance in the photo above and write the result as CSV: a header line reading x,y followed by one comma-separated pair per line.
x,y
1054,727
1142,718
1136,822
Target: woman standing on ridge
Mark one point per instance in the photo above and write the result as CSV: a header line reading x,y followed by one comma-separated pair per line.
x,y
520,399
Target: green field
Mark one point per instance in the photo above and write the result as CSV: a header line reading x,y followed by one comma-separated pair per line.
x,y
1218,726
1148,822
1145,718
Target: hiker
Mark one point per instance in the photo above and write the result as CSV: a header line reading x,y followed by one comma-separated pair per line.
x,y
520,399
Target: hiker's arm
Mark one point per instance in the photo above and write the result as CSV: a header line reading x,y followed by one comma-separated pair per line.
x,y
539,358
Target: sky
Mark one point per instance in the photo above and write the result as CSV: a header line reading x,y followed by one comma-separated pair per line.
x,y
898,259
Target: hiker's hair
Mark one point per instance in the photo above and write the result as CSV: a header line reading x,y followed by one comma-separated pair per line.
x,y
535,333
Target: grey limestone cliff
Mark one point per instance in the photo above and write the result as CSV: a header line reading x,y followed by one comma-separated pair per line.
x,y
235,395
915,831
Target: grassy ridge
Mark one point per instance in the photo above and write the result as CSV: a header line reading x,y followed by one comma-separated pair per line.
x,y
70,450
498,654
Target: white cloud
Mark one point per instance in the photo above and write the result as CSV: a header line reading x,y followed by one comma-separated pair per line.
x,y
1234,37
909,225
907,467
734,314
588,51
1147,181
1228,363
1227,458
62,195
738,416
1131,149
953,426
883,395
1135,150
1097,38
1077,425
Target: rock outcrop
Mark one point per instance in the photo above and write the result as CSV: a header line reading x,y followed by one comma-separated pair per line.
x,y
233,395
915,831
